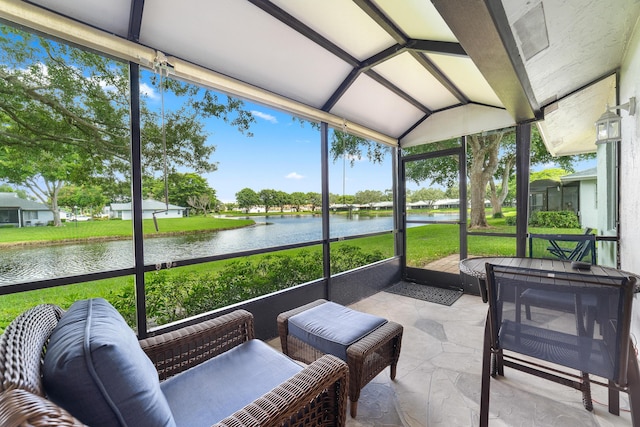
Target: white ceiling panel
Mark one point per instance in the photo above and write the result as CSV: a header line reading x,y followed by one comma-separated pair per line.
x,y
111,16
343,23
418,19
569,124
407,74
238,39
369,103
455,122
465,76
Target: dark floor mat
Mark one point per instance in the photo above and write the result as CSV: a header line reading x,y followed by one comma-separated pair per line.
x,y
425,293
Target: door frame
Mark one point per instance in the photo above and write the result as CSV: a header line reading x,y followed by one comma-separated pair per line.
x,y
421,275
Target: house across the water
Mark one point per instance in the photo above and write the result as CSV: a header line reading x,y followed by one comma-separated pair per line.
x,y
149,206
18,212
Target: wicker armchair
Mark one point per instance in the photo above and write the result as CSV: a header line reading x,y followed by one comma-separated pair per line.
x,y
317,395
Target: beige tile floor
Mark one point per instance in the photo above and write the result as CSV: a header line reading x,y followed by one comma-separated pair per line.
x,y
439,372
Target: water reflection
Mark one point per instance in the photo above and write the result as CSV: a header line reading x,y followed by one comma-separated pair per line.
x,y
22,264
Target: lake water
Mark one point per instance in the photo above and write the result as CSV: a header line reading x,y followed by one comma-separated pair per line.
x,y
45,262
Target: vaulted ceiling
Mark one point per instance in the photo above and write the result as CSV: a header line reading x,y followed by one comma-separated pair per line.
x,y
401,72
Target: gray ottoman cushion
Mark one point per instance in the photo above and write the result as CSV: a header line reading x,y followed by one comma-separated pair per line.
x,y
331,327
215,389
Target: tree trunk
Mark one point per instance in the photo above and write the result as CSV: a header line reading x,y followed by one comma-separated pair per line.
x,y
496,203
497,200
484,153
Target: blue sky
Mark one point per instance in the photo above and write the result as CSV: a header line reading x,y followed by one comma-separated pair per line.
x,y
282,154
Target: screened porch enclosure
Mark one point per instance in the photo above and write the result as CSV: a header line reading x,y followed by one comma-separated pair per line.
x,y
414,75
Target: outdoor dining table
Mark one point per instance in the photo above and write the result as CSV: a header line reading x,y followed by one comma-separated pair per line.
x,y
475,267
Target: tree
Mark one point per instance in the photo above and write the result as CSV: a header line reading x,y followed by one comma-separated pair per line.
x,y
65,115
314,199
491,158
247,198
201,202
341,199
181,187
539,156
6,188
452,192
297,199
368,197
83,197
268,198
429,195
282,199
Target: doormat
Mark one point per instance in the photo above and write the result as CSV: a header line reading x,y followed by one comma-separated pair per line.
x,y
425,293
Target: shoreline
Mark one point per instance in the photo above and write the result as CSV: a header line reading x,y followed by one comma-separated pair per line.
x,y
98,239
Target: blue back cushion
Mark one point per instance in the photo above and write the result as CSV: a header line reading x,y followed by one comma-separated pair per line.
x,y
96,370
331,327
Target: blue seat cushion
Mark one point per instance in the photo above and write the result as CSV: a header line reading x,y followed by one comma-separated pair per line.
x,y
331,327
95,369
215,389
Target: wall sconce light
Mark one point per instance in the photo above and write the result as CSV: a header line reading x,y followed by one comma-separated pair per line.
x,y
608,125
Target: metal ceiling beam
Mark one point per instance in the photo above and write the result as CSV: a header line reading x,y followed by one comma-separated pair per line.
x,y
382,20
495,53
358,67
393,88
135,20
439,75
386,24
366,67
297,25
433,46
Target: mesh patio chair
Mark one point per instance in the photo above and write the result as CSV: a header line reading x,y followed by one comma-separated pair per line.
x,y
558,339
569,247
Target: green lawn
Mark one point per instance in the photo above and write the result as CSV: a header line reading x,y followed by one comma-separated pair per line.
x,y
116,229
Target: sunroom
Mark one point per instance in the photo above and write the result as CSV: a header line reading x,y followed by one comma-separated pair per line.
x,y
364,93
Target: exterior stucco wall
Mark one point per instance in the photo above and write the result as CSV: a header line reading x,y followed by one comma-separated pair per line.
x,y
630,159
588,204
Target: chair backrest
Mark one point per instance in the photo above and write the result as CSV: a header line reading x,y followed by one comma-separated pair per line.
x,y
572,247
552,316
22,347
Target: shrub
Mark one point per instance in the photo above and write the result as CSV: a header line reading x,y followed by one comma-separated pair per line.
x,y
554,219
173,294
510,220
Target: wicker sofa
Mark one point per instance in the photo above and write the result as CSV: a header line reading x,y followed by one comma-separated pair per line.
x,y
315,395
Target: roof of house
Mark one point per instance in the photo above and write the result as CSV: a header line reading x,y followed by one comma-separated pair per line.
x,y
11,200
147,205
580,176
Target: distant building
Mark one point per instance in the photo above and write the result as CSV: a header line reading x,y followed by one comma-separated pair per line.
x,y
575,192
446,204
149,206
22,212
587,196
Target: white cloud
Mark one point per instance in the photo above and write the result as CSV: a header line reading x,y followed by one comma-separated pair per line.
x,y
149,91
265,116
294,175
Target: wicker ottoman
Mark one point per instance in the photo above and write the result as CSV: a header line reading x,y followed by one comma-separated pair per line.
x,y
367,343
